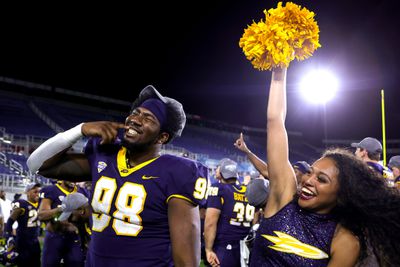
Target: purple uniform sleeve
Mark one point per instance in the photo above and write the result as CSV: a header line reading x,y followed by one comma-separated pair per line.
x,y
214,196
188,181
53,193
47,192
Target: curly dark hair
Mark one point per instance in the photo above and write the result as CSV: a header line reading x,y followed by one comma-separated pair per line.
x,y
367,207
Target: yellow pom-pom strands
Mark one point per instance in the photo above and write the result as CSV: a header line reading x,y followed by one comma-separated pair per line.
x,y
288,32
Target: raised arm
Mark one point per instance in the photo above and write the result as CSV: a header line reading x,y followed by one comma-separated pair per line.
x,y
51,159
281,174
258,163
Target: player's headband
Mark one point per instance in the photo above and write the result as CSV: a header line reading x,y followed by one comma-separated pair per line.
x,y
158,108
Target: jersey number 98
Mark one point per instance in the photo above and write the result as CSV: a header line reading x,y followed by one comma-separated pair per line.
x,y
129,204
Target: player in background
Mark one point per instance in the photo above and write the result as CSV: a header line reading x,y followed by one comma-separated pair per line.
x,y
369,150
77,210
62,242
26,241
228,217
394,165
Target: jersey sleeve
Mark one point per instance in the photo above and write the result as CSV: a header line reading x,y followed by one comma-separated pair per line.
x,y
215,196
47,192
189,181
17,204
90,146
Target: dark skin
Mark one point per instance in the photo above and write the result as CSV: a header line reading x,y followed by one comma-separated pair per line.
x,y
81,214
142,131
210,227
32,196
46,213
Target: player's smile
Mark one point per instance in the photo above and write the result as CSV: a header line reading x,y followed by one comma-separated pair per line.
x,y
134,129
132,132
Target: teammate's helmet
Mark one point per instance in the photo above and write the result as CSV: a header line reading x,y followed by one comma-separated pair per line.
x,y
176,118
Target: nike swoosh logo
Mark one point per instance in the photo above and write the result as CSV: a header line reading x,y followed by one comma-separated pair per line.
x,y
144,177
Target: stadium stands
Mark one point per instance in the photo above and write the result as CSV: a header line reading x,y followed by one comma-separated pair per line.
x,y
68,115
18,118
24,119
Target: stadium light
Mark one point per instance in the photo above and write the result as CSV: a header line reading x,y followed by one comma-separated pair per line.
x,y
319,86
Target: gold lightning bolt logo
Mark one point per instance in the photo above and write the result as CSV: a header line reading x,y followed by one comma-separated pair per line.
x,y
242,189
288,244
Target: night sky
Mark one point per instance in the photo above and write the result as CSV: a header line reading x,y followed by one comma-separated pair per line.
x,y
190,51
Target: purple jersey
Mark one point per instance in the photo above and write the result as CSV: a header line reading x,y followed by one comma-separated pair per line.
x,y
28,223
56,194
382,170
293,237
130,205
236,213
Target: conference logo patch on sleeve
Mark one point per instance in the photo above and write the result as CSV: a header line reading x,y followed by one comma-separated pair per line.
x,y
101,165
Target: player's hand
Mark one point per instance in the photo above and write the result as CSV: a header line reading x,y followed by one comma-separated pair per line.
x,y
212,258
241,144
107,130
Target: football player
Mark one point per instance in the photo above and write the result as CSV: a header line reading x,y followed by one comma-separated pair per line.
x,y
228,217
62,242
26,242
370,150
145,205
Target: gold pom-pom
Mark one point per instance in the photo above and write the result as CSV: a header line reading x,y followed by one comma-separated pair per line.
x,y
288,32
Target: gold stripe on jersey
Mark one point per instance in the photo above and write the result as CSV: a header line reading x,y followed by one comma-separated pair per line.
x,y
33,204
65,191
181,197
123,168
